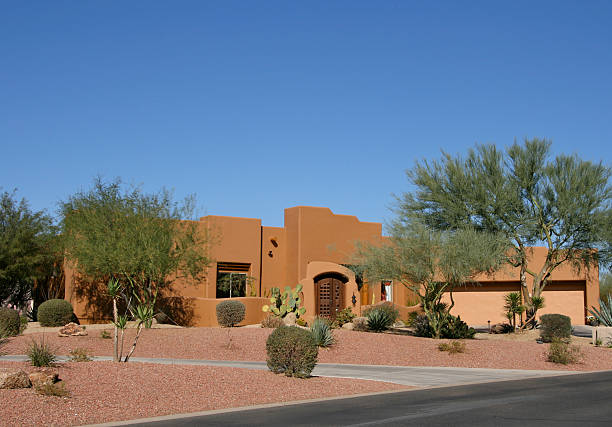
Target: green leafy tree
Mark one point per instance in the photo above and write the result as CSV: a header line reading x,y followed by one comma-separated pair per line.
x,y
139,240
605,284
431,263
523,194
28,251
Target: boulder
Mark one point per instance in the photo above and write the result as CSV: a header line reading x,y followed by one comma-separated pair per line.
x,y
13,378
72,330
348,326
43,377
289,319
399,324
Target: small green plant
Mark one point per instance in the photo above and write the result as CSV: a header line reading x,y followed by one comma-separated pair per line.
x,y
230,313
55,312
56,389
452,347
388,308
291,351
513,306
560,351
301,322
378,320
80,355
598,342
322,333
412,316
345,315
105,335
23,324
555,326
288,301
272,321
9,322
604,314
40,353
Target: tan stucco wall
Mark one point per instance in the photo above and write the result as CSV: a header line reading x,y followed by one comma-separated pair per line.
x,y
313,241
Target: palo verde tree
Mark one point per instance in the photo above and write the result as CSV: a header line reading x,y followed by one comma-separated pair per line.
x,y
139,242
431,263
28,252
522,193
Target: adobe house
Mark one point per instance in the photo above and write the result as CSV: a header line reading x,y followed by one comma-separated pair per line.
x,y
313,249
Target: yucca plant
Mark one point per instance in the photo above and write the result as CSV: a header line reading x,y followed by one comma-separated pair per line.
x,y
378,320
321,332
604,314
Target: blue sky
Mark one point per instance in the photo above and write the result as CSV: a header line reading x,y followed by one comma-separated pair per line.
x,y
259,106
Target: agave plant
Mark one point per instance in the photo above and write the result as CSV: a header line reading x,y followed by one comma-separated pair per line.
x,y
321,332
604,314
378,320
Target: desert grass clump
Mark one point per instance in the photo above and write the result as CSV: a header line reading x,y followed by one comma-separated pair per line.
x,y
40,353
105,335
272,322
560,351
452,347
80,354
322,333
291,351
56,389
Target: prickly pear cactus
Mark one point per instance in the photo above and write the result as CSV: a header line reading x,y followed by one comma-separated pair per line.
x,y
288,301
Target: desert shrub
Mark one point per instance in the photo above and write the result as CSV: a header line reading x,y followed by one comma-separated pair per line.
x,y
272,322
40,354
412,316
56,389
230,313
555,326
23,323
55,312
360,324
560,351
343,316
291,351
80,355
301,322
321,332
10,324
455,328
378,320
387,307
452,347
105,335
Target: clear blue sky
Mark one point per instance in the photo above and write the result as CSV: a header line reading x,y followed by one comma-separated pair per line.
x,y
259,106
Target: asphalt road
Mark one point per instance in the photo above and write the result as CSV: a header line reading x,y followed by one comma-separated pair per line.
x,y
572,400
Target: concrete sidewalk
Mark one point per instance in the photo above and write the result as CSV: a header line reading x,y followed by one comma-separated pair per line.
x,y
416,376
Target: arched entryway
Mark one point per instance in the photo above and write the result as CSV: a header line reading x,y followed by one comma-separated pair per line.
x,y
329,294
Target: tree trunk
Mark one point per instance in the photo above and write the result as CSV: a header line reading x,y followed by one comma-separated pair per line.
x,y
140,325
116,333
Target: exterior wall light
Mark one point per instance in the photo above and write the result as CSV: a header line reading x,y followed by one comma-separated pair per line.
x,y
354,299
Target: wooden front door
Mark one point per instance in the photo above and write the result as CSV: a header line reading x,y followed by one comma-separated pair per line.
x,y
330,297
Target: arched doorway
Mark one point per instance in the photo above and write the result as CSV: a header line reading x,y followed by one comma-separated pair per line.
x,y
329,294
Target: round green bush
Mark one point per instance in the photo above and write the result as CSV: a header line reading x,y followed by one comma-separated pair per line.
x,y
10,323
55,312
291,351
230,313
555,326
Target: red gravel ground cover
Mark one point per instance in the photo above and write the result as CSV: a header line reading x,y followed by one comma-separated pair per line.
x,y
351,347
107,391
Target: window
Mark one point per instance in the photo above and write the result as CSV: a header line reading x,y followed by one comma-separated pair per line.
x,y
386,290
232,279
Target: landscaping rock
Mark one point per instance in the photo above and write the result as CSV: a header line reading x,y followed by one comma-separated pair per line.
x,y
399,324
501,328
43,377
348,326
72,330
13,378
289,319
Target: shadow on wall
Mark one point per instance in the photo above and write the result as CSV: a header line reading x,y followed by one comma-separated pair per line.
x,y
95,305
180,311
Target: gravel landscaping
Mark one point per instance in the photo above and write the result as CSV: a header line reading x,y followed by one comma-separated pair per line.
x,y
107,391
351,347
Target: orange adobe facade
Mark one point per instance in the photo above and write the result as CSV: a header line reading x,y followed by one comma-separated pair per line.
x,y
313,249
